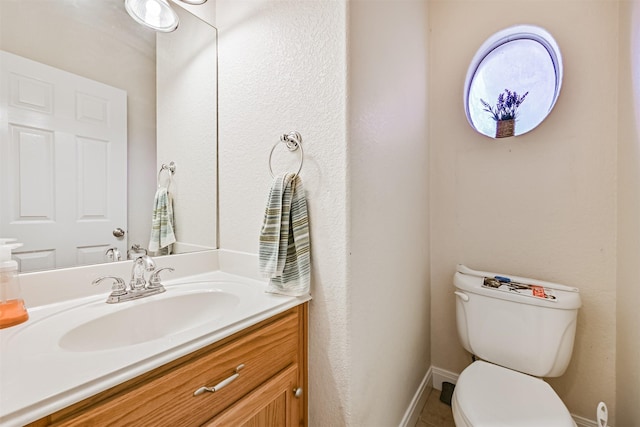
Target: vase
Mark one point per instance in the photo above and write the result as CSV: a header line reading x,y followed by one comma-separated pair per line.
x,y
505,128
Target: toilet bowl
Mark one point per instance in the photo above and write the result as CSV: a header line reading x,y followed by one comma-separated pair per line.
x,y
520,330
493,396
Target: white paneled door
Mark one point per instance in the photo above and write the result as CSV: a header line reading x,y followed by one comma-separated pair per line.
x,y
63,164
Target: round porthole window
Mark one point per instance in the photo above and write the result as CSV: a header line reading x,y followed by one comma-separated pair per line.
x,y
513,81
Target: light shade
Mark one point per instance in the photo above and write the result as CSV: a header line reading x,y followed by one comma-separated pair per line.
x,y
194,1
156,14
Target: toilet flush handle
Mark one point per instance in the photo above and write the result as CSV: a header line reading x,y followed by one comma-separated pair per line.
x,y
464,297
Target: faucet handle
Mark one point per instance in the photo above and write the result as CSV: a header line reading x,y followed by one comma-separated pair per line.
x,y
117,289
154,280
113,254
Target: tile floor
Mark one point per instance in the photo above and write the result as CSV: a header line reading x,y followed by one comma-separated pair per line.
x,y
435,413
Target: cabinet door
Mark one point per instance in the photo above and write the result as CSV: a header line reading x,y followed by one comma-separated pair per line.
x,y
273,404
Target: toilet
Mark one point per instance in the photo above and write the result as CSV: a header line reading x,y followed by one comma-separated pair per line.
x,y
519,330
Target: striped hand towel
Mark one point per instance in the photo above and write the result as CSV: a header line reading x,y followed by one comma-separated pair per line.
x,y
162,233
284,254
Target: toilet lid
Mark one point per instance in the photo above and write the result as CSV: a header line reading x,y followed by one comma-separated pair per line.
x,y
490,395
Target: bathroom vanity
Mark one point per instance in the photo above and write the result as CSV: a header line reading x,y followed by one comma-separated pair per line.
x,y
213,349
268,391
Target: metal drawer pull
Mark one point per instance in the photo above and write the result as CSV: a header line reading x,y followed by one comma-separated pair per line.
x,y
221,384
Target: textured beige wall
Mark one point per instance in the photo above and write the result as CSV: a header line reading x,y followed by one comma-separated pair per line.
x,y
540,205
628,293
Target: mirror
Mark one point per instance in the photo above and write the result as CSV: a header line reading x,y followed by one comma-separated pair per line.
x,y
168,82
513,82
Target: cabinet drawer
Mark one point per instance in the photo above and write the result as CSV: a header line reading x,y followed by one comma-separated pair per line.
x,y
169,399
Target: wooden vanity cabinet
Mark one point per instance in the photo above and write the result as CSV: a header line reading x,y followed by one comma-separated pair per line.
x,y
274,358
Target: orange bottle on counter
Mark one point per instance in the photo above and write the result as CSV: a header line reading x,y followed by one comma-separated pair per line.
x,y
12,309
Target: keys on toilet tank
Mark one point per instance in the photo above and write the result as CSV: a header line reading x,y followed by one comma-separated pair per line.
x,y
505,284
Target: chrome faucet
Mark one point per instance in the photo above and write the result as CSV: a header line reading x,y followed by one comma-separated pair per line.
x,y
113,254
140,265
154,279
138,286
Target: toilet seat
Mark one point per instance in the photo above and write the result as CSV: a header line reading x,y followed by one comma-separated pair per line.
x,y
488,395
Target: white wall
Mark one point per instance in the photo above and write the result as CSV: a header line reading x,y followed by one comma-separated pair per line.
x,y
628,291
282,67
539,205
389,305
332,71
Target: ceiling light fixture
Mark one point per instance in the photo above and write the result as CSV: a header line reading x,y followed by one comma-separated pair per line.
x,y
156,14
195,2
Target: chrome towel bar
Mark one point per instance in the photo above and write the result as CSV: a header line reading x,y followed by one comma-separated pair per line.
x,y
171,168
293,141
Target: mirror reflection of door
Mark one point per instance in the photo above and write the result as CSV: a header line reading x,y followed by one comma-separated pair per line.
x,y
63,165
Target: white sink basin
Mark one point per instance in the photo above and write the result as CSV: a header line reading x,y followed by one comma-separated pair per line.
x,y
147,324
148,319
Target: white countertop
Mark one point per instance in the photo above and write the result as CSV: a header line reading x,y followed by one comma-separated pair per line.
x,y
38,377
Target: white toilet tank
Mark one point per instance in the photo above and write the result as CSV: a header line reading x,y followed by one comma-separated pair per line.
x,y
504,320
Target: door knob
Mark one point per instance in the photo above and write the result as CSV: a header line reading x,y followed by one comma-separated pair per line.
x,y
118,232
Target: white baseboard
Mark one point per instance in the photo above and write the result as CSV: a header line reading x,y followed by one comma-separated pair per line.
x,y
442,375
417,403
584,422
434,378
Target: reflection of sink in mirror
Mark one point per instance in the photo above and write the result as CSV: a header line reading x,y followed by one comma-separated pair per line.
x,y
149,320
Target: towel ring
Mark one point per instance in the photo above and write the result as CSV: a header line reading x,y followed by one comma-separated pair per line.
x,y
293,141
171,168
